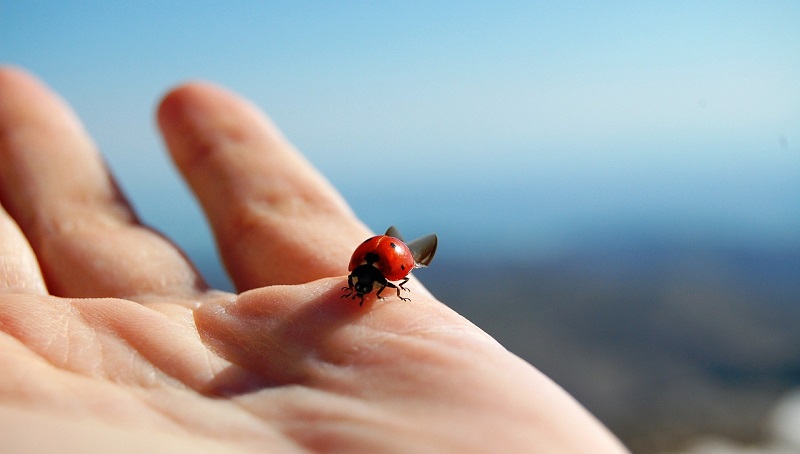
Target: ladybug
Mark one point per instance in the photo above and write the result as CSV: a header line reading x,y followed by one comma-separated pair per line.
x,y
385,258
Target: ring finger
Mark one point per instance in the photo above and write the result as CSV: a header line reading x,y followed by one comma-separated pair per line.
x,y
55,185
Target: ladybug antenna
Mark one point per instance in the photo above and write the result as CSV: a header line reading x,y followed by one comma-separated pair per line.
x,y
423,249
393,232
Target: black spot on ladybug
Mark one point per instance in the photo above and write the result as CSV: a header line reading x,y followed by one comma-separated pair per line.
x,y
371,258
393,245
402,267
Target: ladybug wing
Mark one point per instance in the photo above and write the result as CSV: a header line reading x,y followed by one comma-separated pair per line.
x,y
393,232
423,249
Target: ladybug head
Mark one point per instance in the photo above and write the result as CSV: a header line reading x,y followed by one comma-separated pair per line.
x,y
363,287
365,278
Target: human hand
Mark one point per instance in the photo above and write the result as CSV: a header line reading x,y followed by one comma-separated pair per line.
x,y
109,338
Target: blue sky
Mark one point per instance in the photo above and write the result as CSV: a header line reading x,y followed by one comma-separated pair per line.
x,y
527,123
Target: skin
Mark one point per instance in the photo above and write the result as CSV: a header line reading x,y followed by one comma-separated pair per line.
x,y
109,339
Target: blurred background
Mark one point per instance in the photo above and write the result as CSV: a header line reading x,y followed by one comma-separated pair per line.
x,y
615,185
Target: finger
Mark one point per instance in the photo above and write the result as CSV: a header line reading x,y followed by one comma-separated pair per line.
x,y
276,219
19,271
55,185
292,334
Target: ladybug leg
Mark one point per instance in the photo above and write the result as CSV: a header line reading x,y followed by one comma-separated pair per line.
x,y
349,287
401,284
383,286
349,292
398,294
389,284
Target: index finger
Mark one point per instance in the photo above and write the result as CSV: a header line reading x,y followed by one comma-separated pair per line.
x,y
275,218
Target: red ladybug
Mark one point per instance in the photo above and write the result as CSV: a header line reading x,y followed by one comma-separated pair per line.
x,y
385,258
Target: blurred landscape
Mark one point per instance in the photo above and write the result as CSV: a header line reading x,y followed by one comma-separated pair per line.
x,y
662,342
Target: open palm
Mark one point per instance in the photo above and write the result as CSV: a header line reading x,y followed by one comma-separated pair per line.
x,y
110,339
